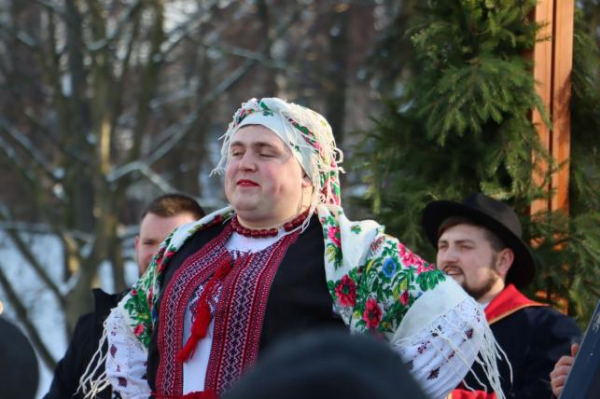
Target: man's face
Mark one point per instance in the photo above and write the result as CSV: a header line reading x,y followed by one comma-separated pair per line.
x,y
263,180
466,255
153,231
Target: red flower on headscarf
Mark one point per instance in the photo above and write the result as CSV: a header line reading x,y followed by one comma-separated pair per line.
x,y
372,314
346,291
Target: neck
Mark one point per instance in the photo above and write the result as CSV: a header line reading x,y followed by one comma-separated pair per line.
x,y
288,225
492,293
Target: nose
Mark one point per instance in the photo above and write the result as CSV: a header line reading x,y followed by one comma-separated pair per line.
x,y
247,162
446,257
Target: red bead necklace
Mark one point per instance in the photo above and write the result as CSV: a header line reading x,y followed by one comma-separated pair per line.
x,y
272,232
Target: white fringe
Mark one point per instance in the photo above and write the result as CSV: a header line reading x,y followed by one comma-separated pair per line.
x,y
445,333
92,382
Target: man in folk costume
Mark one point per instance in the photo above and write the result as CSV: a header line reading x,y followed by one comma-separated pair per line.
x,y
283,258
479,244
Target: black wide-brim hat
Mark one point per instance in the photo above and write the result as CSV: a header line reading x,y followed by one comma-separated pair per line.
x,y
494,215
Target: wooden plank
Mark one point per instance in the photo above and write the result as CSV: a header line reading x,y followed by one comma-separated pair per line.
x,y
542,73
561,115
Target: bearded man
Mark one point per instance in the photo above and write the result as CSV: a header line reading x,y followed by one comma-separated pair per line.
x,y
479,245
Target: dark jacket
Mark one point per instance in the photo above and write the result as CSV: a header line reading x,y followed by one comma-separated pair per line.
x,y
533,336
82,347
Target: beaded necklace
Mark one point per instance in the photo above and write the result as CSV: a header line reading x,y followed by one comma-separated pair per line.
x,y
272,232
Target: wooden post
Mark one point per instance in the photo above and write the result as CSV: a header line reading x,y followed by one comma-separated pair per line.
x,y
561,100
553,60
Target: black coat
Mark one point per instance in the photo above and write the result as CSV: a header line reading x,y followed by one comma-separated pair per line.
x,y
534,338
82,347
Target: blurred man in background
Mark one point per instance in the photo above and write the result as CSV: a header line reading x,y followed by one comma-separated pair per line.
x,y
158,219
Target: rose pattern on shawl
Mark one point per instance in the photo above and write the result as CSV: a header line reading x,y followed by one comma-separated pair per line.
x,y
372,314
333,244
334,235
346,291
404,298
391,276
138,330
409,258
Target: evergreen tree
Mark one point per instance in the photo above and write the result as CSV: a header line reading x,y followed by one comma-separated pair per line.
x,y
463,125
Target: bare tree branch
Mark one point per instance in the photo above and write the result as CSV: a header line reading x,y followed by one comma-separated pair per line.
x,y
30,257
179,33
128,16
21,311
39,228
21,36
51,137
55,8
14,160
29,149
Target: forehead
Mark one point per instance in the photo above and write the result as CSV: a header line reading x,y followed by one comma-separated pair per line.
x,y
463,232
256,134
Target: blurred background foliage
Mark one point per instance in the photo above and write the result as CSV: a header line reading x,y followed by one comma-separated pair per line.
x,y
460,123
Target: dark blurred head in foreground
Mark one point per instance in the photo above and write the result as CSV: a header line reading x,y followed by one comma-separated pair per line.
x,y
328,364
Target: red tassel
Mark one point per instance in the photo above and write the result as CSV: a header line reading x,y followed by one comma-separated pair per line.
x,y
203,316
199,330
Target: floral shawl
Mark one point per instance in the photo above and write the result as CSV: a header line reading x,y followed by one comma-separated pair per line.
x,y
372,277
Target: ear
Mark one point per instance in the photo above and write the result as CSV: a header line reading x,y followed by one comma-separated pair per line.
x,y
306,181
504,261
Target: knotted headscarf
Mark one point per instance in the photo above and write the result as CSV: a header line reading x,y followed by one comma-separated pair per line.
x,y
307,134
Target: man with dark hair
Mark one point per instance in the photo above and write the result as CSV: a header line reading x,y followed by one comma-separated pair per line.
x,y
159,218
479,245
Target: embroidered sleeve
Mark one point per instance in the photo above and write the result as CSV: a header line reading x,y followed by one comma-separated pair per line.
x,y
126,359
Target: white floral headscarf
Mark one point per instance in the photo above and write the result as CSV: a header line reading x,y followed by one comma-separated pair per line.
x,y
307,134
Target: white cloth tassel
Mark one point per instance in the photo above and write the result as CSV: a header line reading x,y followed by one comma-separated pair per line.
x,y
442,335
488,357
91,383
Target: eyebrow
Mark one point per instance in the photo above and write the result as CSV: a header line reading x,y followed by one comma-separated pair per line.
x,y
461,241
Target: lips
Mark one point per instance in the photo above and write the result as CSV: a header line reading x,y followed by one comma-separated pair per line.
x,y
246,183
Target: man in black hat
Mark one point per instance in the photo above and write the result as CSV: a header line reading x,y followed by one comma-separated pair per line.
x,y
479,245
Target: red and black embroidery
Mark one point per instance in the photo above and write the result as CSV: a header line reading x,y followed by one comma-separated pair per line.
x,y
187,283
238,315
